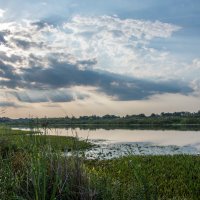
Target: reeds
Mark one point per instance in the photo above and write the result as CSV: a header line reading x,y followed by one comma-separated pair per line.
x,y
37,169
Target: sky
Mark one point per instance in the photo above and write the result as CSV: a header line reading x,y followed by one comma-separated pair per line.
x,y
86,57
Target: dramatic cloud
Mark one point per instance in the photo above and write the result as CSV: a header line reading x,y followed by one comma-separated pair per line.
x,y
90,57
67,75
109,54
119,45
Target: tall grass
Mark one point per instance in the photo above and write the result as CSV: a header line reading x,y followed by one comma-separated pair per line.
x,y
33,167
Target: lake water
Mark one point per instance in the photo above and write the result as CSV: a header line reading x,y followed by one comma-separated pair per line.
x,y
119,142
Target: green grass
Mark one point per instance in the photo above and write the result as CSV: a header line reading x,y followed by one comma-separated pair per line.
x,y
162,177
32,167
25,140
42,175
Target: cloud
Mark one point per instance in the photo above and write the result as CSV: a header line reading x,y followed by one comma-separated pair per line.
x,y
23,44
2,39
119,45
39,24
8,76
121,27
8,104
42,96
2,13
196,63
107,53
67,75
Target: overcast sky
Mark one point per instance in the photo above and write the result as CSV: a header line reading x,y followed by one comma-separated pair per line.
x,y
84,57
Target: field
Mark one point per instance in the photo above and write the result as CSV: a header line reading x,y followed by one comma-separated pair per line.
x,y
35,166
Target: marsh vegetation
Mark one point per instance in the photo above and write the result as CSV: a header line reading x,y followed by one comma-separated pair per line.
x,y
34,166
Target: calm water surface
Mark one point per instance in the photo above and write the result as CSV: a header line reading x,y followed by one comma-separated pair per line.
x,y
155,137
121,142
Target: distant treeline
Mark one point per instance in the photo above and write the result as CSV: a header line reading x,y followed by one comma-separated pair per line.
x,y
176,118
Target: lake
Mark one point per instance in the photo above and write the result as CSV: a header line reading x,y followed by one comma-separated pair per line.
x,y
120,142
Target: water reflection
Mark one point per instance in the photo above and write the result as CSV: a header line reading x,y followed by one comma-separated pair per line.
x,y
120,142
155,137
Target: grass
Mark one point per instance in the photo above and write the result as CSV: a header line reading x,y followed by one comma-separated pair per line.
x,y
25,140
161,177
32,167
